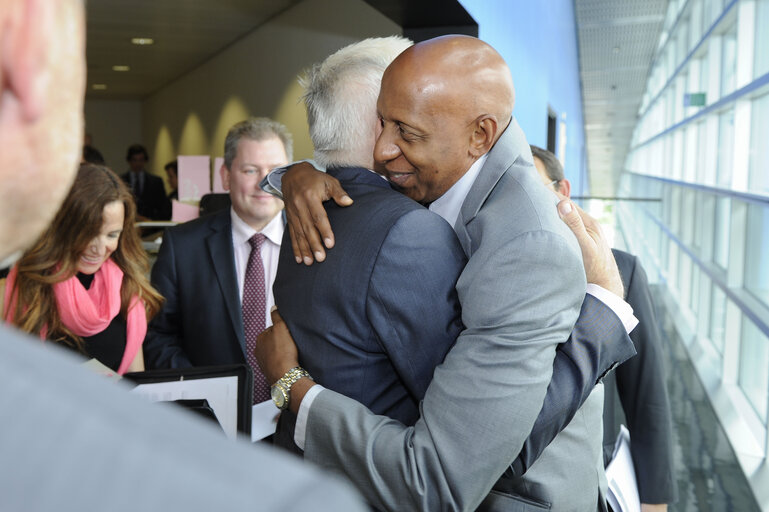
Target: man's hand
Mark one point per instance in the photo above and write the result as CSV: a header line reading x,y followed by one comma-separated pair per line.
x,y
276,354
304,190
275,349
600,267
645,507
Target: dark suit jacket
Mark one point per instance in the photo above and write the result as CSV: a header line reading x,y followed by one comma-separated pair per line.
x,y
640,389
375,318
201,321
153,202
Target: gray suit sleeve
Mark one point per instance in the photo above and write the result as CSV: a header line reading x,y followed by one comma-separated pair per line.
x,y
64,426
162,347
520,299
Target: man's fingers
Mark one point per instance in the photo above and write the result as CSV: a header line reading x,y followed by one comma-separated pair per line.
x,y
587,219
294,244
571,217
337,193
312,225
299,242
276,318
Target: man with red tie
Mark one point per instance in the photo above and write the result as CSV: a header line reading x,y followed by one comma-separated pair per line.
x,y
216,272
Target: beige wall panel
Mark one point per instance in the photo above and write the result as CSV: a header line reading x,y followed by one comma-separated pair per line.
x,y
255,76
114,125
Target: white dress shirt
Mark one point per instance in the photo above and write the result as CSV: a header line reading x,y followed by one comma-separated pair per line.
x,y
241,233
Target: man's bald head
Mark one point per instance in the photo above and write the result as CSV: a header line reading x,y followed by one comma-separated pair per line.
x,y
42,83
463,70
444,103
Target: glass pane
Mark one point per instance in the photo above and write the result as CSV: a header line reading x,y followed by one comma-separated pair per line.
x,y
757,252
703,315
721,233
729,61
684,277
694,298
759,149
725,148
754,367
687,216
761,43
717,318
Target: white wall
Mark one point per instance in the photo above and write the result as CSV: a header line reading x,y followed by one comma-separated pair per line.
x,y
114,125
255,76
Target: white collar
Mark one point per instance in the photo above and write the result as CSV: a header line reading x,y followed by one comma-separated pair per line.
x,y
242,232
449,204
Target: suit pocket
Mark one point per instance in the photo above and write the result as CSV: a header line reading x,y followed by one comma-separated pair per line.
x,y
498,501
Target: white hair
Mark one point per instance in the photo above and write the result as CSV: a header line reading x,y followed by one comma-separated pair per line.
x,y
341,94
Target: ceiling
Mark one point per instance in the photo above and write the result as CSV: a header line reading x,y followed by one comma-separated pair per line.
x,y
617,44
189,32
186,34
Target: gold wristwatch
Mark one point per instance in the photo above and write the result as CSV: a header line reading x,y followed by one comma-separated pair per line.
x,y
281,390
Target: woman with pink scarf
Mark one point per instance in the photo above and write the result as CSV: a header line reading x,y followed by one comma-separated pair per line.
x,y
83,284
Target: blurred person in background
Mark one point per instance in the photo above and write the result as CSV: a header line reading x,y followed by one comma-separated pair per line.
x,y
148,189
638,385
172,172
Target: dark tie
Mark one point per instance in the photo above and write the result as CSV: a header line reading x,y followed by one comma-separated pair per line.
x,y
254,310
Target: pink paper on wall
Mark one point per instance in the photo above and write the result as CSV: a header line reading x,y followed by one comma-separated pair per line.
x,y
194,177
218,188
181,212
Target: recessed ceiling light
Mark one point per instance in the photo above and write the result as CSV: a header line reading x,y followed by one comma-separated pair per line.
x,y
99,87
121,67
142,41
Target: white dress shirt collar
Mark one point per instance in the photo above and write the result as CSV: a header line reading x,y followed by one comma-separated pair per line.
x,y
449,204
242,232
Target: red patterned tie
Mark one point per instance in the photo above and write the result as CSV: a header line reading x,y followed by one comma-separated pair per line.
x,y
254,310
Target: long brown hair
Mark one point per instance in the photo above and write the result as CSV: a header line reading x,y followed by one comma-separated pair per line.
x,y
54,257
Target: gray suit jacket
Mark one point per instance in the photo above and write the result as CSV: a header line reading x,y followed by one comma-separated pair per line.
x,y
72,440
521,293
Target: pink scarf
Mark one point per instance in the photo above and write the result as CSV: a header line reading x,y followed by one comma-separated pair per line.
x,y
88,312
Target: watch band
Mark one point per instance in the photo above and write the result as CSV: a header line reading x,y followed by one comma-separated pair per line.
x,y
284,385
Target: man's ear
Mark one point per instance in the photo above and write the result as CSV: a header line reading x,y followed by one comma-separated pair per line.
x,y
484,135
225,175
564,187
23,53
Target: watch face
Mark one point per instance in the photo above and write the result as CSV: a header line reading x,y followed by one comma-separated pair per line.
x,y
278,396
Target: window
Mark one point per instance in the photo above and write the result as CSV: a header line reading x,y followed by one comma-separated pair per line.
x,y
754,360
759,150
717,317
729,61
761,42
694,297
721,233
725,148
757,253
703,313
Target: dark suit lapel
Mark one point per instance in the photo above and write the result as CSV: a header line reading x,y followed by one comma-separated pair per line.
x,y
219,244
